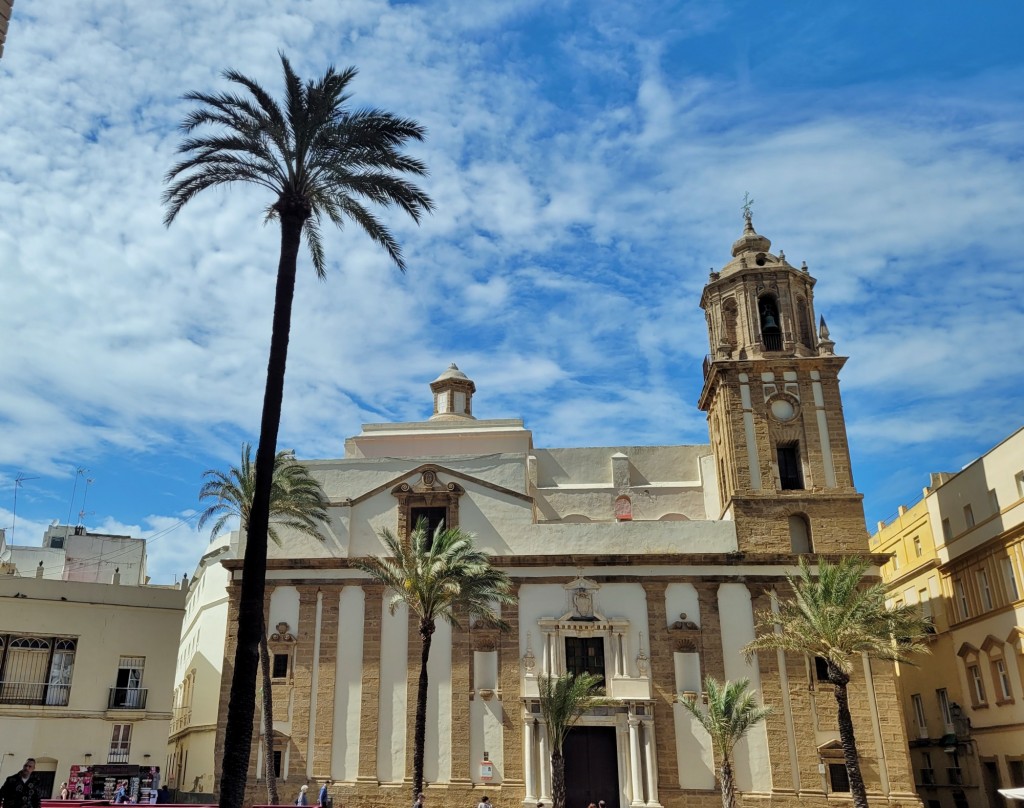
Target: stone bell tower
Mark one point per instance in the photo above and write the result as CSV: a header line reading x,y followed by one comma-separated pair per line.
x,y
775,416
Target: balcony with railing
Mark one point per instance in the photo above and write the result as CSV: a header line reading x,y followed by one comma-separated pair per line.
x,y
927,777
39,693
182,718
955,776
127,698
118,755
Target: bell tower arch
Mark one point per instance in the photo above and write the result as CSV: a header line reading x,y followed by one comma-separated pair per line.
x,y
775,414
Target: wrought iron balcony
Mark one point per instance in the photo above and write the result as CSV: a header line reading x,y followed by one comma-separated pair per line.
x,y
34,693
127,698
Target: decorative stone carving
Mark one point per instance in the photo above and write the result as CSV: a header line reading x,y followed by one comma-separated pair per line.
x,y
683,624
282,634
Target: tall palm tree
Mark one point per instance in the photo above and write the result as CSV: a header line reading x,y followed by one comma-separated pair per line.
x,y
296,502
439,577
732,712
839,616
563,699
317,157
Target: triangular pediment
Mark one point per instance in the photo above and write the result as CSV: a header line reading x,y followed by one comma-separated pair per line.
x,y
426,475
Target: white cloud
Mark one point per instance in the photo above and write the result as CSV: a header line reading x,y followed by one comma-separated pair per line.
x,y
585,183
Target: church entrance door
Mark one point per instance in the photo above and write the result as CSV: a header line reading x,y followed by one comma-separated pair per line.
x,y
591,767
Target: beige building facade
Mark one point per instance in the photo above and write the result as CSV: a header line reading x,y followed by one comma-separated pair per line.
x,y
86,667
643,564
962,546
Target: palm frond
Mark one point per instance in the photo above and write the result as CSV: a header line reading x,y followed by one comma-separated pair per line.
x,y
297,501
834,614
563,701
313,152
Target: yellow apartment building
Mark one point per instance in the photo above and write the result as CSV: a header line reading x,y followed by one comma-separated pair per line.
x,y
961,546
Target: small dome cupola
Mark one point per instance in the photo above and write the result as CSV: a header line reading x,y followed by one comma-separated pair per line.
x,y
751,242
453,394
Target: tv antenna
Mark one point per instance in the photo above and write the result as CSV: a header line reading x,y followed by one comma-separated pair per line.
x,y
19,481
85,493
71,504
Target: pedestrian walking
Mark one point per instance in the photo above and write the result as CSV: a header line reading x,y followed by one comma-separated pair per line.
x,y
323,799
64,793
303,798
21,789
121,794
485,802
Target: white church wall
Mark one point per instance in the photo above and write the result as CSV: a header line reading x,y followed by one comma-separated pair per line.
x,y
394,666
753,764
695,758
682,599
709,480
437,747
349,689
610,537
486,738
284,608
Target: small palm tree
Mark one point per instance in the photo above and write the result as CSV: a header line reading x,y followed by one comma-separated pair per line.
x,y
438,577
317,158
296,502
732,712
563,699
838,616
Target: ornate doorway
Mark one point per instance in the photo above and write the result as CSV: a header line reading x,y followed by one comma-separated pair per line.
x,y
591,767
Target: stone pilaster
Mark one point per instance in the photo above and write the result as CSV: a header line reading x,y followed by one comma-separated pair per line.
x,y
369,709
712,661
303,679
322,742
511,706
663,684
462,693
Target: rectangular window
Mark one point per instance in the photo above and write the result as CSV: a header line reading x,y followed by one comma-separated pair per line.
x,y
1010,578
36,670
947,529
128,691
962,603
277,762
922,723
1004,680
839,780
1019,479
120,743
1016,768
947,717
977,684
895,562
926,604
790,475
986,593
927,772
434,517
918,550
968,516
820,669
585,655
993,500
280,666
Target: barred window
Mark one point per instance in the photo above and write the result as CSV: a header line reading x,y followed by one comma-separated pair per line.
x,y
36,669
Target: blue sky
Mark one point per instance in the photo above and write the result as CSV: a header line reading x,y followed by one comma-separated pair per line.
x,y
589,161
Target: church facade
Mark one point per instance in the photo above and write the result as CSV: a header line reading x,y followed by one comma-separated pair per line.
x,y
645,565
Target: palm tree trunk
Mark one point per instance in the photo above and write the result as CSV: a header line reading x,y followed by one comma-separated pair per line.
x,y
420,737
557,779
728,785
268,721
846,737
242,701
